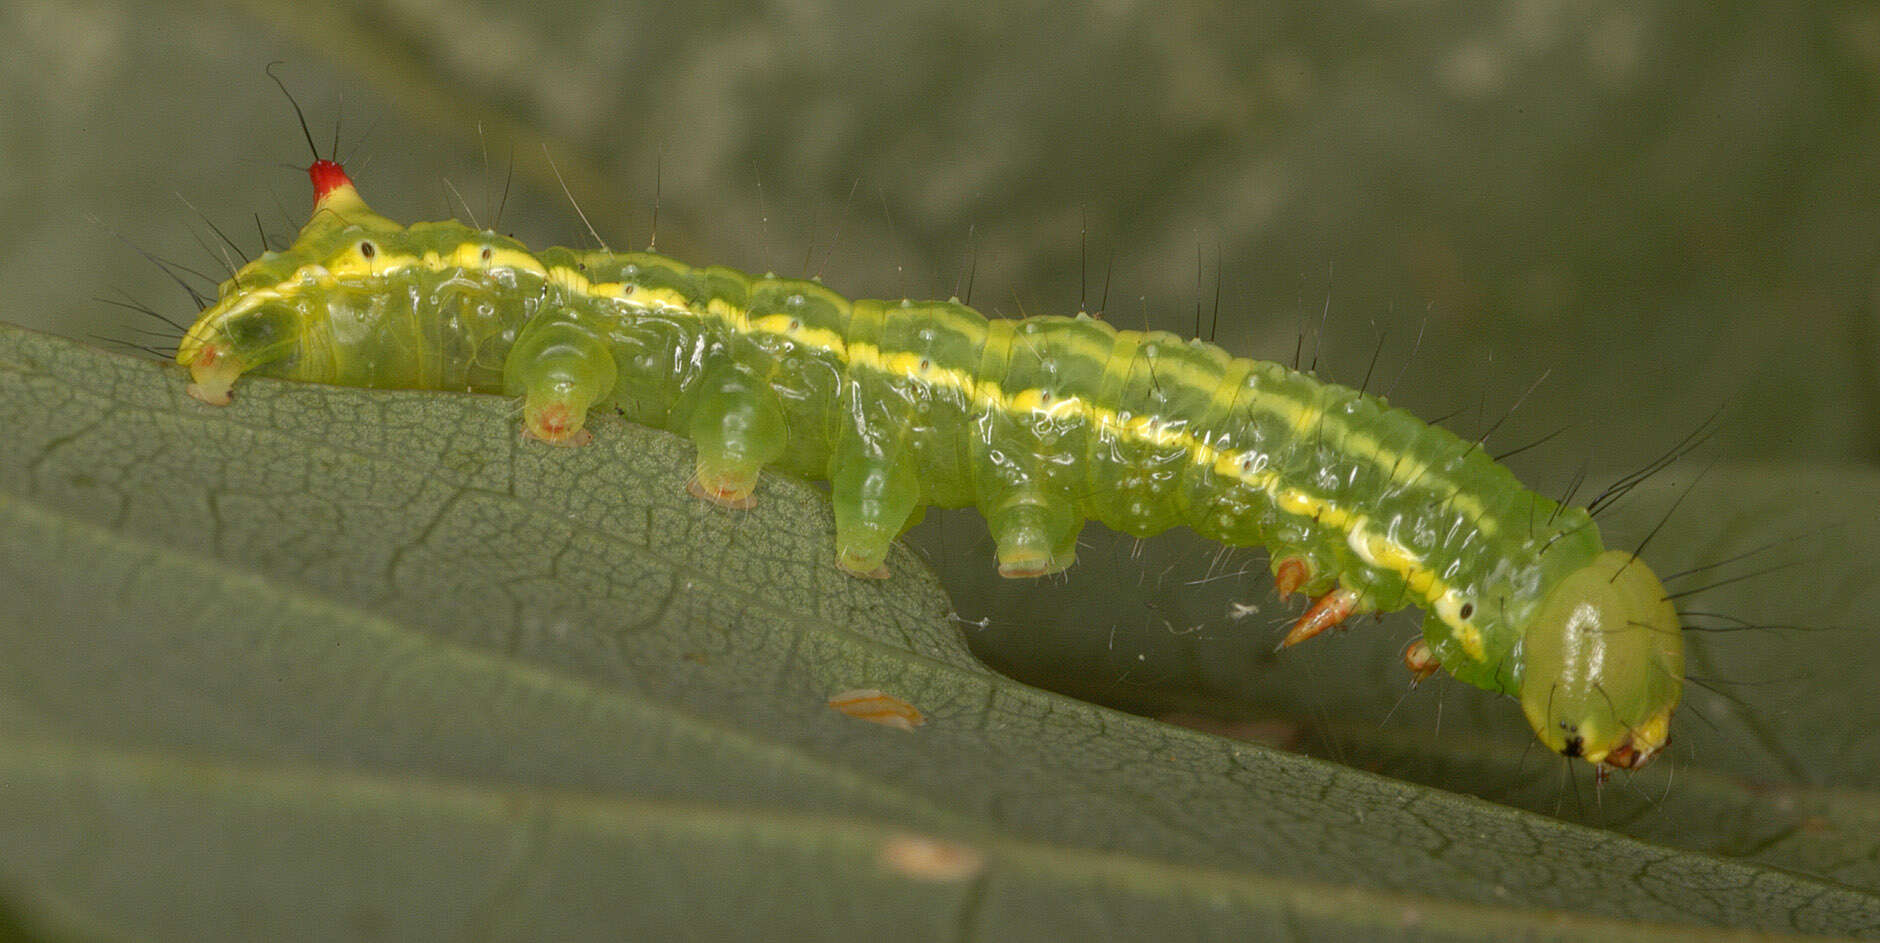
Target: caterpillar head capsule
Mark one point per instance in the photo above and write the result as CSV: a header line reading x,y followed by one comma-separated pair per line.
x,y
1603,664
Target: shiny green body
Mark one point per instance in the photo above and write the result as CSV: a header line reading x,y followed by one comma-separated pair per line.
x,y
1040,424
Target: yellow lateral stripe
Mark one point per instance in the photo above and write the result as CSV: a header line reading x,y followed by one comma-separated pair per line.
x,y
1374,548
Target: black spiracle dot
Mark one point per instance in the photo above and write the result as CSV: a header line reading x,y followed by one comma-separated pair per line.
x,y
1468,609
367,249
488,253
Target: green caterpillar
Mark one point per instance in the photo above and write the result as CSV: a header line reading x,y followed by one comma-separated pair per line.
x,y
1040,423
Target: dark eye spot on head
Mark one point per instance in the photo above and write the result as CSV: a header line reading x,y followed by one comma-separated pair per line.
x,y
1468,609
367,249
1575,744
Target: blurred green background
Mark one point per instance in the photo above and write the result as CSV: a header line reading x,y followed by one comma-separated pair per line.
x,y
1650,212
1661,207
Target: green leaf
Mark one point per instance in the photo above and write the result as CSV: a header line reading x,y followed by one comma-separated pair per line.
x,y
364,664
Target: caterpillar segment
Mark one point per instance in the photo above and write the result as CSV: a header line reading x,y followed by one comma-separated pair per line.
x,y
1041,424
